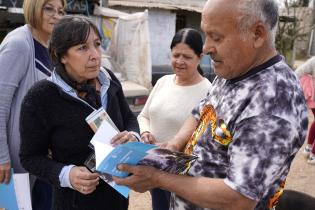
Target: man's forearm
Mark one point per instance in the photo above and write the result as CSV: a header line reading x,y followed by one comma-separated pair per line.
x,y
204,192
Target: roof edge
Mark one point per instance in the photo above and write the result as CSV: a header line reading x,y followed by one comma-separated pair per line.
x,y
155,5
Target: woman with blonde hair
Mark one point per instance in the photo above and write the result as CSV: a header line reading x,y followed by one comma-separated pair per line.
x,y
24,60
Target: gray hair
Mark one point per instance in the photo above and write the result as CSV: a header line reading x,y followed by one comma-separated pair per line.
x,y
258,10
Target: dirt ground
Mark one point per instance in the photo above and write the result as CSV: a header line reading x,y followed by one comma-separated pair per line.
x,y
301,178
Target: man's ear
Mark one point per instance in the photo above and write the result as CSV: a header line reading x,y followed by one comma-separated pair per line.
x,y
260,34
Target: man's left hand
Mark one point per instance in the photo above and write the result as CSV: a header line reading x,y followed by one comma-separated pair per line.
x,y
142,178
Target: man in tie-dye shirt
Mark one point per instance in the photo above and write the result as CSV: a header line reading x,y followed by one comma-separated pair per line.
x,y
248,129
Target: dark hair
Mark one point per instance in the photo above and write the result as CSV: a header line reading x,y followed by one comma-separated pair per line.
x,y
71,30
192,38
189,36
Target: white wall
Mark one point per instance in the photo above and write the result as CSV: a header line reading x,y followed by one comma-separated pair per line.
x,y
162,29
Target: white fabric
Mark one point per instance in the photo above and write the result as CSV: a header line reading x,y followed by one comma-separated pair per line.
x,y
307,68
129,48
169,105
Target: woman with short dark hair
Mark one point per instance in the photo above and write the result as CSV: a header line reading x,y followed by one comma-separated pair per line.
x,y
53,118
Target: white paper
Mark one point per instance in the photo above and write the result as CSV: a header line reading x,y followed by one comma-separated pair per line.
x,y
101,151
101,141
104,133
22,191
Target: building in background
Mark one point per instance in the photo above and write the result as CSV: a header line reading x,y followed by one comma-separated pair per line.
x,y
11,12
165,18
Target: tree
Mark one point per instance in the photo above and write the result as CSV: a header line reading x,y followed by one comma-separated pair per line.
x,y
292,27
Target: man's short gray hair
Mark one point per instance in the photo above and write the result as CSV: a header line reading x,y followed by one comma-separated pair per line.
x,y
259,10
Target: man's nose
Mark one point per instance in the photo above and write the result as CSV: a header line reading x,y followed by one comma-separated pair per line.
x,y
208,47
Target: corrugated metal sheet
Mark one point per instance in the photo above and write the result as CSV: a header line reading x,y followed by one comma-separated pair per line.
x,y
190,5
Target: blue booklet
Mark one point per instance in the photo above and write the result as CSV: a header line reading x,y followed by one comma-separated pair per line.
x,y
105,157
138,153
7,195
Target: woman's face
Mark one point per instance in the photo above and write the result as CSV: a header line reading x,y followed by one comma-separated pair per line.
x,y
51,13
184,60
82,62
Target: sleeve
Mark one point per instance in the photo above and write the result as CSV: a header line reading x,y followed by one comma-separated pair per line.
x,y
129,119
64,176
35,138
13,64
260,153
144,116
196,112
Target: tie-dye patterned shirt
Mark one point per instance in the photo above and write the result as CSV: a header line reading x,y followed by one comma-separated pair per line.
x,y
249,131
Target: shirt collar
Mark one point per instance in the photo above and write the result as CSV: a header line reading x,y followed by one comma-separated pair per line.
x,y
256,69
102,77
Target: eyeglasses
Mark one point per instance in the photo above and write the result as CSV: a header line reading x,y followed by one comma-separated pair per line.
x,y
51,11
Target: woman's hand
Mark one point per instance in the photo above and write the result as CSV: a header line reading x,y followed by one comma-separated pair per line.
x,y
148,138
5,173
123,137
83,180
168,145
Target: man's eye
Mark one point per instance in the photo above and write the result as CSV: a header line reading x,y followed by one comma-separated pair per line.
x,y
216,38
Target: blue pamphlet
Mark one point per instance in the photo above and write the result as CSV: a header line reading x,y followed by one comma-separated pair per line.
x,y
7,195
138,153
130,153
105,157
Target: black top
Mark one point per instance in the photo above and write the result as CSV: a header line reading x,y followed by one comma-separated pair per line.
x,y
42,59
52,119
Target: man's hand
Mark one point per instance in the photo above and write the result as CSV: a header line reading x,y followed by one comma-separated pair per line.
x,y
148,138
123,137
142,178
83,180
5,173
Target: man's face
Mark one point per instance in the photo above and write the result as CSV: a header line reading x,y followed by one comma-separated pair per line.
x,y
232,54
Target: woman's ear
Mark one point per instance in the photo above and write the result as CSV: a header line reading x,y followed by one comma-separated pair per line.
x,y
63,59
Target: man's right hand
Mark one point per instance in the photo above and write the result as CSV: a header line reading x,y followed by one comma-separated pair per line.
x,y
5,173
